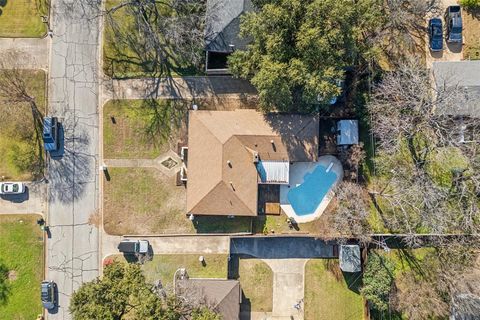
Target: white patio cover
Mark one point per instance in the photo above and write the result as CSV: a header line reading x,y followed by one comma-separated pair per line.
x,y
273,172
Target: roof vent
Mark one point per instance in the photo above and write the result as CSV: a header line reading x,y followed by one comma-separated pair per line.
x,y
256,158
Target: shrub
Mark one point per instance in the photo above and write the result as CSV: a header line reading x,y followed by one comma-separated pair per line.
x,y
377,281
470,4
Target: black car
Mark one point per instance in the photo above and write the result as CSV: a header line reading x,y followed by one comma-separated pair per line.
x,y
454,24
435,33
49,300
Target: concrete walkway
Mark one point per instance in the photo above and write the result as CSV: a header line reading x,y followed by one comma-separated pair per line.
x,y
148,163
32,201
173,244
186,87
32,53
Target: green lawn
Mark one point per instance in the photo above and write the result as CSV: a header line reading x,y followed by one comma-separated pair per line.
x,y
21,256
22,18
256,280
327,292
163,266
141,128
19,143
124,53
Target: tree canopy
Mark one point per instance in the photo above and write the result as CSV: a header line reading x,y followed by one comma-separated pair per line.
x,y
122,293
300,49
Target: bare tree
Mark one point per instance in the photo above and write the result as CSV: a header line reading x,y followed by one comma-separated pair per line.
x,y
17,104
350,218
418,128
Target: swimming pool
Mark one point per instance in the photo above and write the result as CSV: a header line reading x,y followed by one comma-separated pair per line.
x,y
306,197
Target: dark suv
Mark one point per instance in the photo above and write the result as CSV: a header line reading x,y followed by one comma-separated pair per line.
x,y
454,24
50,133
49,300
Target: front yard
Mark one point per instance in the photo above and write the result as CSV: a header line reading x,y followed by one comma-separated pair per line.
x,y
22,18
256,280
142,128
146,201
20,144
331,294
163,266
21,267
125,52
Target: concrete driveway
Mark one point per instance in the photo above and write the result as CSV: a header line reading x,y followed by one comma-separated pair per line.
x,y
32,201
34,52
451,51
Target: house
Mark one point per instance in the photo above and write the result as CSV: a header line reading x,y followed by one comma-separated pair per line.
x,y
231,153
223,296
464,74
350,260
222,32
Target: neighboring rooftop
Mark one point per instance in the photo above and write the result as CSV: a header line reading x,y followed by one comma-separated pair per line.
x,y
225,148
224,296
223,24
464,74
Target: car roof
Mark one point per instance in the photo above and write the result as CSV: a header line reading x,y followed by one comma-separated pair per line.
x,y
436,21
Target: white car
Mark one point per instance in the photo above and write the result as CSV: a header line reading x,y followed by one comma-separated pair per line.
x,y
12,187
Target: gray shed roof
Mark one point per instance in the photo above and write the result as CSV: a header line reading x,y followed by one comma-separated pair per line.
x,y
350,260
464,74
223,24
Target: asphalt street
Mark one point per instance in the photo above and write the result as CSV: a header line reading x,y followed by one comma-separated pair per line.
x,y
72,250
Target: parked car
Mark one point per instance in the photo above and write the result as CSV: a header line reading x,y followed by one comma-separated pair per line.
x,y
50,133
454,24
435,33
133,246
12,187
49,299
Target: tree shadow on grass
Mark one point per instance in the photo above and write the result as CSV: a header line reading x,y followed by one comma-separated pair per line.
x,y
4,285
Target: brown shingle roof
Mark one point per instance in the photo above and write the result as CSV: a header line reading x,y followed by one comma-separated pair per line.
x,y
218,187
223,296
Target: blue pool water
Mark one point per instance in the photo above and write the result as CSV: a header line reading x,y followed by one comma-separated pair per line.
x,y
306,197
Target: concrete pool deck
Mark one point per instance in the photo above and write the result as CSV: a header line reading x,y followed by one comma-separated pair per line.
x,y
298,170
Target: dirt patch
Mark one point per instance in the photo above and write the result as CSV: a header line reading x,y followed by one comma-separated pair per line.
x,y
228,102
95,219
12,275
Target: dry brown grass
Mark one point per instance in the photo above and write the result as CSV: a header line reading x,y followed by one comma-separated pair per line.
x,y
144,201
471,33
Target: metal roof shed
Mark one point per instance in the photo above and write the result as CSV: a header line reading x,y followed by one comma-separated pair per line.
x,y
347,132
350,260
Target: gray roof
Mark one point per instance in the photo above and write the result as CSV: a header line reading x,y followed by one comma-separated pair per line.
x,y
223,24
350,258
224,296
463,74
466,306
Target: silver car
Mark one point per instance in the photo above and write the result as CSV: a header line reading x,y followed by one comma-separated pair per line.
x,y
12,187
